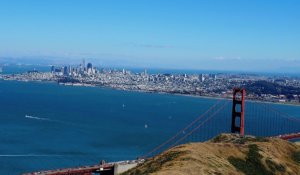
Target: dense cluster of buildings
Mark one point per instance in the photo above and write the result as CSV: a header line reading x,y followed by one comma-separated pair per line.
x,y
213,85
82,69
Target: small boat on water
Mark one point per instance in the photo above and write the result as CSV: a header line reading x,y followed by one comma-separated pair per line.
x,y
28,116
36,118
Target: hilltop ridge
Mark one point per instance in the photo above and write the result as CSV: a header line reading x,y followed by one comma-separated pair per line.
x,y
227,154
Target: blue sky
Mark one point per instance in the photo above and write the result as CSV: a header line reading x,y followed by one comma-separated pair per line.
x,y
253,35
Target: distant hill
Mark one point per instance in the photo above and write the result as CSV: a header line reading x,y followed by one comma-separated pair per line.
x,y
226,154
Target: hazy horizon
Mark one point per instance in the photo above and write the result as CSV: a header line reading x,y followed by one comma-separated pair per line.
x,y
31,63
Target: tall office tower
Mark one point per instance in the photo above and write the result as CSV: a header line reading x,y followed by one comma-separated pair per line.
x,y
52,69
145,71
80,67
89,68
65,70
201,77
70,70
215,76
83,64
95,70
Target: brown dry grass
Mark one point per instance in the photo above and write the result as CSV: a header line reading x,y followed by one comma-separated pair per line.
x,y
212,157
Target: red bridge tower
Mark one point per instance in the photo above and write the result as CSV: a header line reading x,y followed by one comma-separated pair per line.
x,y
238,110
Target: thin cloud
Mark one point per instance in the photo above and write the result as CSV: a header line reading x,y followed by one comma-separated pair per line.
x,y
159,46
225,58
219,58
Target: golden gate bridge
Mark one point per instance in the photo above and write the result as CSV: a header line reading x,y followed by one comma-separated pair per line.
x,y
227,115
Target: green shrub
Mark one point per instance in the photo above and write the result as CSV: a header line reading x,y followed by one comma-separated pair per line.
x,y
219,138
252,165
275,167
296,156
261,139
242,140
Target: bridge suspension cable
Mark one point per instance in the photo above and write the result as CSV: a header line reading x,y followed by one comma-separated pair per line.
x,y
282,114
214,107
201,124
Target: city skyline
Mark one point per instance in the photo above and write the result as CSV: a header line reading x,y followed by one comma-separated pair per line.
x,y
235,35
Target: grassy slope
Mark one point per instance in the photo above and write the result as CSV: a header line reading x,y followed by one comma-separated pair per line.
x,y
276,157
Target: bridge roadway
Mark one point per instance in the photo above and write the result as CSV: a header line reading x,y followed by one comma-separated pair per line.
x,y
111,168
290,136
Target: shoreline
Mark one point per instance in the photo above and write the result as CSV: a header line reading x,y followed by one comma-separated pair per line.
x,y
145,91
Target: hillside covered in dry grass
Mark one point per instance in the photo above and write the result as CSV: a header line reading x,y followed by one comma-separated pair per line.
x,y
226,154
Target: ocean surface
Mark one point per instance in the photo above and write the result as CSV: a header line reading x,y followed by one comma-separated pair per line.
x,y
46,125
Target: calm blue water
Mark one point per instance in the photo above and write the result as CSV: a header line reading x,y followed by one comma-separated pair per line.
x,y
71,126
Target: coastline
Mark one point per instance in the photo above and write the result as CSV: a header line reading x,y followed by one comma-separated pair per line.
x,y
145,91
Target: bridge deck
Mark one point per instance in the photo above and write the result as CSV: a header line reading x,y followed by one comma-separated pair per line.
x,y
76,170
290,136
84,169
